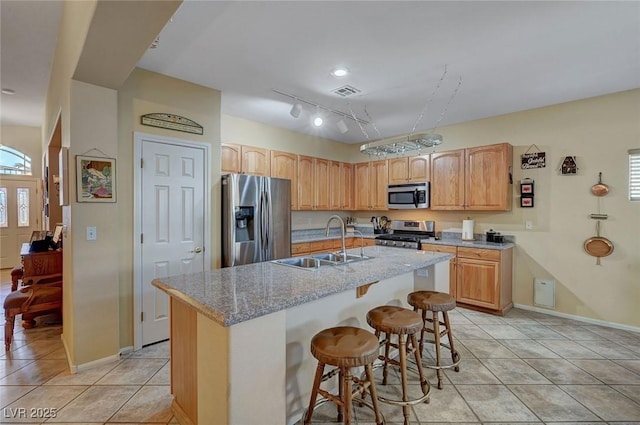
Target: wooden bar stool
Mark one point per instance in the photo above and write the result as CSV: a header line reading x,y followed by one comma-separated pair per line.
x,y
344,347
405,324
436,302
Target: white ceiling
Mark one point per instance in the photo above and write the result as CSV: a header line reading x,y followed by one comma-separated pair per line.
x,y
511,56
28,32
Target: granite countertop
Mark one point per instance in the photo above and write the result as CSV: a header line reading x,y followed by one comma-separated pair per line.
x,y
237,294
470,244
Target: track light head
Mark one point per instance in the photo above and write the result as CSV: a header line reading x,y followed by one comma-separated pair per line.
x,y
296,110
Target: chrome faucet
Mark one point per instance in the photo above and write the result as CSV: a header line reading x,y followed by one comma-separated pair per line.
x,y
326,233
361,242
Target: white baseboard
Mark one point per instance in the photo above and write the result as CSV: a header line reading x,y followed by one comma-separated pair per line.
x,y
74,368
126,350
579,318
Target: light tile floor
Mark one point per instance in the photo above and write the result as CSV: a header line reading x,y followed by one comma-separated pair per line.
x,y
37,387
525,368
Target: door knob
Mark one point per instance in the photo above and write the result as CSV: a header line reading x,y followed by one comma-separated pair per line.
x,y
197,250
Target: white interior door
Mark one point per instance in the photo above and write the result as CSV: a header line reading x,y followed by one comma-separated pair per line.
x,y
172,223
19,210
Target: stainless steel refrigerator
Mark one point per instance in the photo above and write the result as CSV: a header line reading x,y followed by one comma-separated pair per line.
x,y
256,219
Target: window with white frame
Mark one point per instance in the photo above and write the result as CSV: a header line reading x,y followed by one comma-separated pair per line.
x,y
13,161
634,175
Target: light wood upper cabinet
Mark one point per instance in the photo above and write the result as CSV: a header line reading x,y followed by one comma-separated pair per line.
x,y
370,182
306,183
322,184
245,159
335,185
447,180
472,179
230,157
361,186
488,177
346,186
256,161
411,169
379,183
284,165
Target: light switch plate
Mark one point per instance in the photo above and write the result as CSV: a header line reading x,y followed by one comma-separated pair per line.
x,y
92,233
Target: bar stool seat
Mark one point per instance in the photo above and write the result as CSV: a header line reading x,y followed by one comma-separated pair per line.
x,y
436,303
344,347
404,324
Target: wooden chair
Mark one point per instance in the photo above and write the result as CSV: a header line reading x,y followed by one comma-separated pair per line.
x,y
16,275
43,296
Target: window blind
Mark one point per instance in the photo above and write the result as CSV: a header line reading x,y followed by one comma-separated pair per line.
x,y
634,175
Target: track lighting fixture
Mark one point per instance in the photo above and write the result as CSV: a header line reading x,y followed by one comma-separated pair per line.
x,y
342,126
295,110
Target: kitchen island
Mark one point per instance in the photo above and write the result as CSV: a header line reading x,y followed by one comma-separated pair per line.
x,y
240,336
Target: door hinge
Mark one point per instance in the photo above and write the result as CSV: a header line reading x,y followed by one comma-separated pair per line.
x,y
142,316
141,163
141,238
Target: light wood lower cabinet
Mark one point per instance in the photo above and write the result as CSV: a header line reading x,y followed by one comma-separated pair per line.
x,y
448,249
480,278
304,248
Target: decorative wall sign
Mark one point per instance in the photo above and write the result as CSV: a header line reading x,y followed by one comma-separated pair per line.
x,y
95,179
569,165
171,122
531,160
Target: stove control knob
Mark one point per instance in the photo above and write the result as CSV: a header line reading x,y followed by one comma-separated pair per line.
x,y
394,243
402,244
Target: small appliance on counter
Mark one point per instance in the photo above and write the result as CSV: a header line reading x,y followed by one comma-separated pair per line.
x,y
407,234
492,236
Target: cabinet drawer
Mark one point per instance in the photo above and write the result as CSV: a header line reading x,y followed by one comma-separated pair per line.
x,y
485,254
300,248
439,248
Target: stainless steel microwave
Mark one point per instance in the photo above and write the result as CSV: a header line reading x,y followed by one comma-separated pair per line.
x,y
408,196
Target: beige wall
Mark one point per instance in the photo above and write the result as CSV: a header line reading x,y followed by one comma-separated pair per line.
x,y
147,92
75,22
598,131
94,286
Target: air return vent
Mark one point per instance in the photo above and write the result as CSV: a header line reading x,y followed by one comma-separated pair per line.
x,y
345,91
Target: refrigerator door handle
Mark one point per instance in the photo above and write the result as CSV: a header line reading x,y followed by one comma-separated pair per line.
x,y
267,227
263,227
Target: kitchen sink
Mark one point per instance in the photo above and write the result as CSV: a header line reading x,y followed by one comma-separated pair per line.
x,y
307,263
315,261
337,257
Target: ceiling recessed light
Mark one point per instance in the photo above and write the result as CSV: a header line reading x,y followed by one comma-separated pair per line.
x,y
317,121
339,72
8,91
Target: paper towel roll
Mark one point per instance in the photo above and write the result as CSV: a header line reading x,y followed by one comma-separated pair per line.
x,y
467,230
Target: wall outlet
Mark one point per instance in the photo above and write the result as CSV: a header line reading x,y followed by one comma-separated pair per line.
x,y
528,225
92,233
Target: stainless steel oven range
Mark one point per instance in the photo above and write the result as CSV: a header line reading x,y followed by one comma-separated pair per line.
x,y
407,233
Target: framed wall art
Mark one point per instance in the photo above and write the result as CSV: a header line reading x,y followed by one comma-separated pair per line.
x,y
95,179
526,202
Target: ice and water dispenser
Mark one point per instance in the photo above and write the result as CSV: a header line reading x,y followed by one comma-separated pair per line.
x,y
244,224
